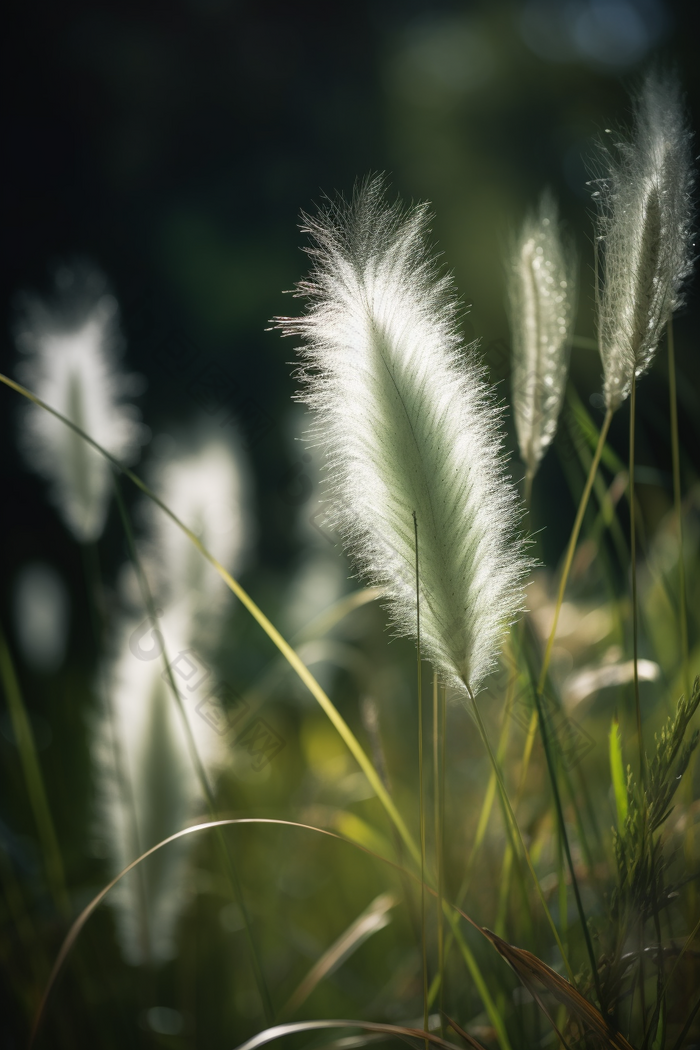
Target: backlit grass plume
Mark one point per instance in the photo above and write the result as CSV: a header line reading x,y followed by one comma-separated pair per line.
x,y
408,424
71,344
147,784
541,294
644,234
204,481
145,780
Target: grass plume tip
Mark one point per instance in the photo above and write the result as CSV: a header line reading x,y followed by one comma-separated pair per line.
x,y
644,233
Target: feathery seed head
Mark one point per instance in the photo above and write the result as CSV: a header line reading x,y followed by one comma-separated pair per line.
x,y
644,234
204,482
408,424
541,294
147,788
71,346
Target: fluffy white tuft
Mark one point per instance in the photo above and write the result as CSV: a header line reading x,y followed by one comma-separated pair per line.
x,y
147,788
541,294
71,345
204,481
407,423
644,234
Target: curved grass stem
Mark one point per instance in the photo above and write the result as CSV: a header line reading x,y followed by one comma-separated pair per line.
x,y
259,616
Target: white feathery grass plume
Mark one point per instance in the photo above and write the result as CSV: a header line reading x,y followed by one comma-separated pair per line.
x,y
644,234
408,424
71,344
146,784
204,480
541,295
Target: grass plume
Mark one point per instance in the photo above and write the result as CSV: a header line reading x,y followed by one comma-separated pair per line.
x,y
408,425
541,298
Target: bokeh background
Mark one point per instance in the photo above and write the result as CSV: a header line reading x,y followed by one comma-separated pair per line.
x,y
174,146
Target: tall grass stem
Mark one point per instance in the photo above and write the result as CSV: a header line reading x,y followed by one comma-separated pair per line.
x,y
26,745
565,843
571,549
438,810
678,504
633,567
516,829
421,799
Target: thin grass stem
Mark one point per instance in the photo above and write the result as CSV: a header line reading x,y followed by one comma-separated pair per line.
x,y
678,504
567,848
484,816
438,803
572,547
516,829
24,737
421,800
633,567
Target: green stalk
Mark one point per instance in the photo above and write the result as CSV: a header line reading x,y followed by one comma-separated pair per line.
x,y
484,817
473,967
565,843
24,736
571,550
583,504
439,810
675,450
421,805
516,829
633,561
